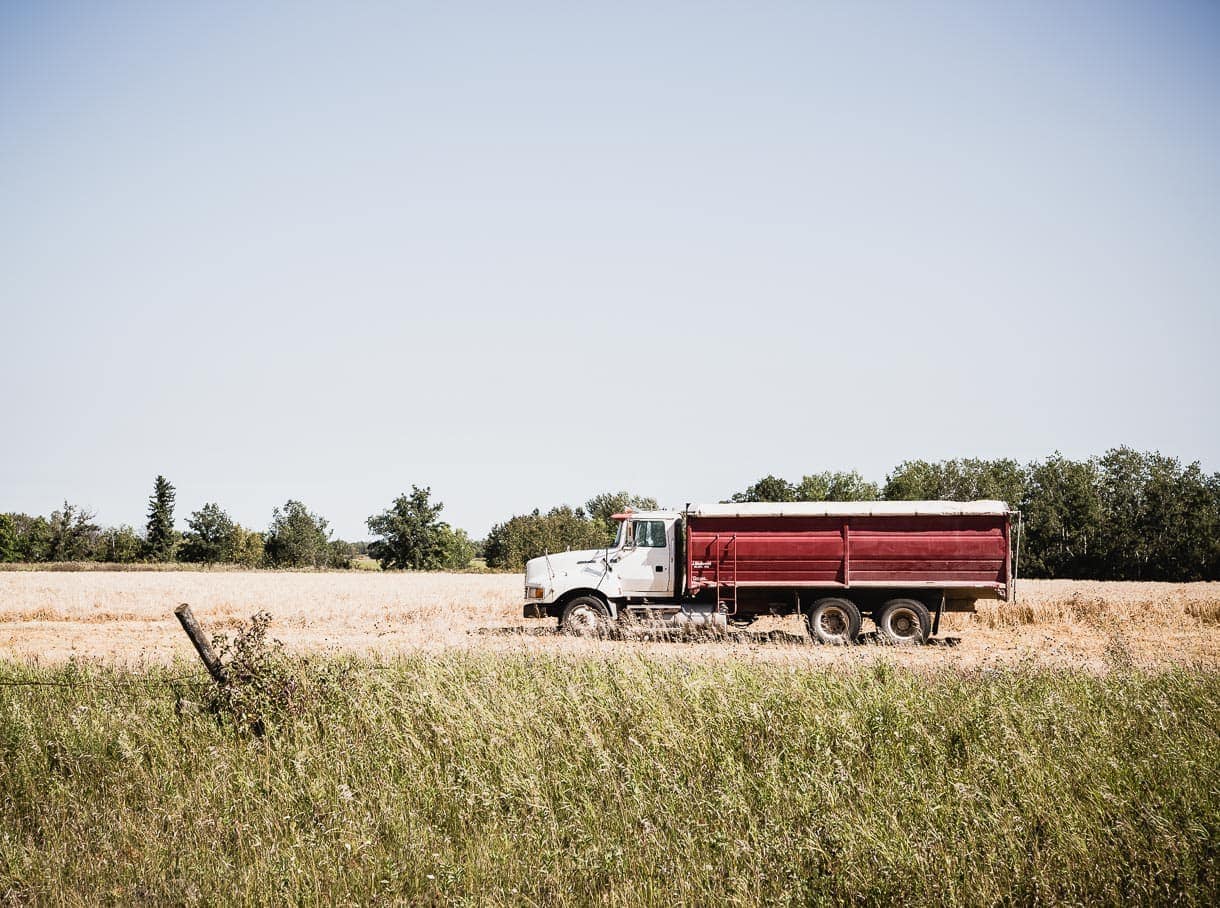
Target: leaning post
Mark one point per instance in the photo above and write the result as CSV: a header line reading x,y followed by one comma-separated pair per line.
x,y
208,655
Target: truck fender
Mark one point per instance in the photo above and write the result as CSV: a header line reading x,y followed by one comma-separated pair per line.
x,y
567,597
610,587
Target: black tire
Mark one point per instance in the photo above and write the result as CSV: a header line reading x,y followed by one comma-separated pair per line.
x,y
904,622
834,621
585,616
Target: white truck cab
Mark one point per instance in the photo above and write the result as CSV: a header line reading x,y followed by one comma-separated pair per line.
x,y
638,567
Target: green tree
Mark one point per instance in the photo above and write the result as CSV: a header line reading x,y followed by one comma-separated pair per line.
x,y
602,508
297,538
769,488
836,486
249,548
458,547
1159,519
211,536
32,538
915,480
1188,522
412,535
1212,571
566,529
967,479
8,538
340,554
505,545
160,536
119,545
72,534
512,543
1061,517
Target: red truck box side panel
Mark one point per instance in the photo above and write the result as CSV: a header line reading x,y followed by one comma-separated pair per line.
x,y
801,551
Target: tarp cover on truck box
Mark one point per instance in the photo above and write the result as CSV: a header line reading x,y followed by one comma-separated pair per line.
x,y
946,545
848,509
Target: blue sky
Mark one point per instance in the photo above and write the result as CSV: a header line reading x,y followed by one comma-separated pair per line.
x,y
524,253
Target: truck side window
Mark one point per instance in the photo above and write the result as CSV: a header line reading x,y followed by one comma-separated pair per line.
x,y
650,533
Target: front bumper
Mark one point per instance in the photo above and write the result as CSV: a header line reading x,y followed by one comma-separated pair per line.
x,y
534,610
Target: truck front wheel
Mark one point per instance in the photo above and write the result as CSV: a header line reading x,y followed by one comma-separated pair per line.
x,y
904,621
585,616
834,621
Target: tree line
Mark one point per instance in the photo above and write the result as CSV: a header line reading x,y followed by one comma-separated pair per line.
x,y
411,535
512,543
1125,515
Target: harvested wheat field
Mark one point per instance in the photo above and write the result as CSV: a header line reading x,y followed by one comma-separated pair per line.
x,y
126,618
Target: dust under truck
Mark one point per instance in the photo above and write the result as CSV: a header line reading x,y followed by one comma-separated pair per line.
x,y
899,563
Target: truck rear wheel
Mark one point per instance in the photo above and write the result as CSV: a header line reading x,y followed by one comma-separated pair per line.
x,y
585,616
904,621
835,621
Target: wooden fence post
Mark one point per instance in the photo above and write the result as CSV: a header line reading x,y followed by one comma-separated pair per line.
x,y
187,619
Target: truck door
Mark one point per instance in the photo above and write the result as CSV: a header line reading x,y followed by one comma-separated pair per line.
x,y
645,566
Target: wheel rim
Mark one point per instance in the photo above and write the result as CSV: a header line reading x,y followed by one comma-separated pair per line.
x,y
584,620
903,624
833,623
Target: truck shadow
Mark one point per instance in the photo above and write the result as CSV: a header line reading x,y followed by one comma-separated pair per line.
x,y
648,635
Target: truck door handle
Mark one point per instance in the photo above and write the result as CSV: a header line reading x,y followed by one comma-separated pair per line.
x,y
660,568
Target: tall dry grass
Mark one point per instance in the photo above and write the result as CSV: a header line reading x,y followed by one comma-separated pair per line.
x,y
477,778
1098,603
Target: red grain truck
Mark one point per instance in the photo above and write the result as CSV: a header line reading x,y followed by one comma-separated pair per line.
x,y
901,564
